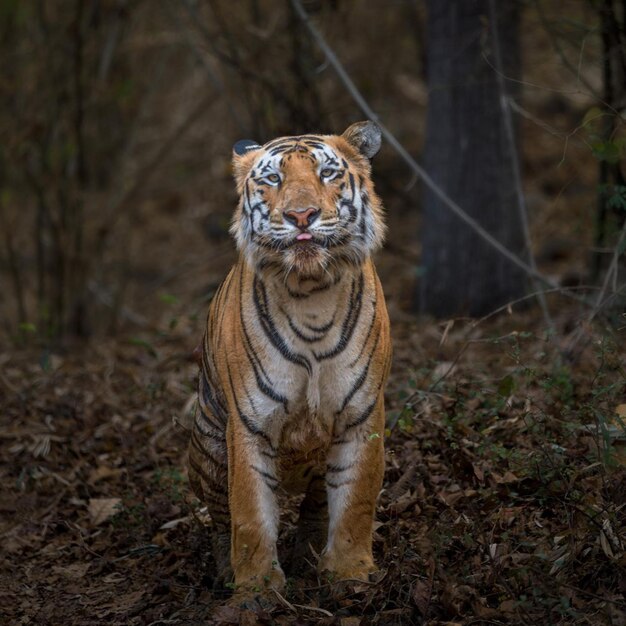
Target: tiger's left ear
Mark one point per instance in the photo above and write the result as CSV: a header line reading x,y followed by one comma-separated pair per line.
x,y
365,137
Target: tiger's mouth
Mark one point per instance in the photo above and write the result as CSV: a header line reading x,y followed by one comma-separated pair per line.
x,y
312,239
308,242
308,255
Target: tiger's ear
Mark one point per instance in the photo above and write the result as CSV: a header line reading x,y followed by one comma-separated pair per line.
x,y
243,146
365,137
243,159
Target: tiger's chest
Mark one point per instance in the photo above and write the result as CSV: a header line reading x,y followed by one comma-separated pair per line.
x,y
311,362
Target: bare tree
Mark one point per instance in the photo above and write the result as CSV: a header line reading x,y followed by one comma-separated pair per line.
x,y
468,154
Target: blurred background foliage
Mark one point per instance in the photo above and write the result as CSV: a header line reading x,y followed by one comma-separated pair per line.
x,y
118,119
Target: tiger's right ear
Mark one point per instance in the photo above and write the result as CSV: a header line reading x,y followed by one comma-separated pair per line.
x,y
242,159
243,146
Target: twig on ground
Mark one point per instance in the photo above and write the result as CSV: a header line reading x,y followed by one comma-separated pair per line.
x,y
468,340
295,607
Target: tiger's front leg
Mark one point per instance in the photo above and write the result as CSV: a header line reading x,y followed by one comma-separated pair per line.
x,y
252,483
354,475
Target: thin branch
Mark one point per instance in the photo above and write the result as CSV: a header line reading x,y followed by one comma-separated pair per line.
x,y
561,53
214,78
407,158
107,299
569,92
151,167
566,136
601,301
13,266
295,607
515,165
467,339
245,72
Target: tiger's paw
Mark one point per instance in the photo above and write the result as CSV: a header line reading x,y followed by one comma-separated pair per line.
x,y
255,601
335,568
258,593
248,583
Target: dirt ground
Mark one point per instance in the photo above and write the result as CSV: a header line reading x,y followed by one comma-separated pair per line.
x,y
503,500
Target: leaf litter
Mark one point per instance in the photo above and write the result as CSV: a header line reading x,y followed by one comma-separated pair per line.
x,y
503,501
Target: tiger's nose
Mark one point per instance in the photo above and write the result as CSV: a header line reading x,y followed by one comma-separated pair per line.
x,y
302,218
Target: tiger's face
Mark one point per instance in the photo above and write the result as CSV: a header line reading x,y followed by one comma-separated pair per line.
x,y
308,202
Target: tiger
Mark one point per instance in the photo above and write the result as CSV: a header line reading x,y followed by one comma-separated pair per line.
x,y
294,360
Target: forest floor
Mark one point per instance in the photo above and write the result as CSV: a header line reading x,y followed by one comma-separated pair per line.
x,y
504,498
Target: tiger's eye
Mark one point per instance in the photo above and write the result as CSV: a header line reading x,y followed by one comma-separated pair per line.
x,y
274,178
326,172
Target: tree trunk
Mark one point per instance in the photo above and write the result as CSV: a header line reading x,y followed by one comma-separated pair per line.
x,y
468,155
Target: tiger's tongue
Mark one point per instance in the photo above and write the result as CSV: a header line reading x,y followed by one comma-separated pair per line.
x,y
304,236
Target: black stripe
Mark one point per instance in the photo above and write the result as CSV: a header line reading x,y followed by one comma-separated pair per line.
x,y
333,485
272,486
216,433
363,223
298,333
261,377
367,336
264,473
269,328
205,452
324,327
366,413
336,469
217,305
358,383
323,287
278,150
251,427
269,391
206,477
246,200
343,203
349,323
295,139
209,396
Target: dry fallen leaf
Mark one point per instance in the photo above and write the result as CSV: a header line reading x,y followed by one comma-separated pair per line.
x,y
505,479
421,594
101,509
101,473
609,541
175,522
74,570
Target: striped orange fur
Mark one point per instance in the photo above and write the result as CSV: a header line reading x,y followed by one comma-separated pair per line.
x,y
295,359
